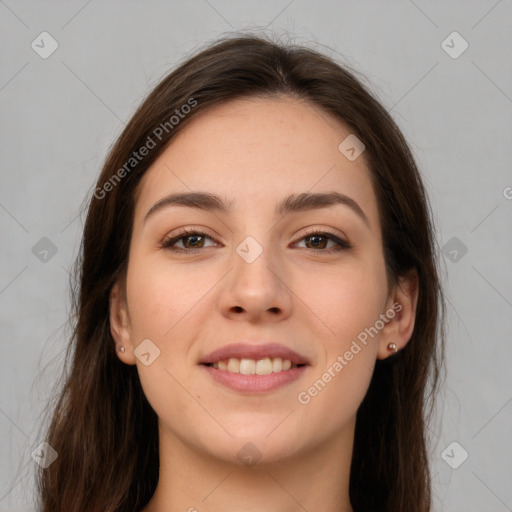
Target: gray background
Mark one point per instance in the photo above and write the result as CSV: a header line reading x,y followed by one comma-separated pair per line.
x,y
60,115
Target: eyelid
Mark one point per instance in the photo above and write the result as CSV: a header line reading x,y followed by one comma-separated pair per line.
x,y
311,230
341,240
184,233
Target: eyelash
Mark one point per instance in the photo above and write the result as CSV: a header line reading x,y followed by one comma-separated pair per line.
x,y
167,243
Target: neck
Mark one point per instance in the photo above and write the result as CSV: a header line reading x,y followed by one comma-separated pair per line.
x,y
193,481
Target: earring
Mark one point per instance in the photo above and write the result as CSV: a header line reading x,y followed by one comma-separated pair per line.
x,y
392,347
121,349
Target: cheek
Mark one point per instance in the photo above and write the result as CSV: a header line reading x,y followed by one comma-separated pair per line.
x,y
347,299
161,295
349,302
165,302
167,305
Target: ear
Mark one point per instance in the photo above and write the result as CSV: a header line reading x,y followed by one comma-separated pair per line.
x,y
120,325
401,313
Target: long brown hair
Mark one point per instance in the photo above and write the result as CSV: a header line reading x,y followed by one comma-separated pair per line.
x,y
101,425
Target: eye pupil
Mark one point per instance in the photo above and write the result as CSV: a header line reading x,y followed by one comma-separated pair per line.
x,y
314,239
195,243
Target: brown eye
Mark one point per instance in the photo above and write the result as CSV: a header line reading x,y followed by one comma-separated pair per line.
x,y
193,241
189,241
318,242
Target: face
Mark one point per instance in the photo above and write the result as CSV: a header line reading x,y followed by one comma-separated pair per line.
x,y
224,295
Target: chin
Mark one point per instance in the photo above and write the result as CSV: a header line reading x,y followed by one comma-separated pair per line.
x,y
252,446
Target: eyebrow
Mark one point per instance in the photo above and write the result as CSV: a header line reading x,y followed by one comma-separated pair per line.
x,y
293,203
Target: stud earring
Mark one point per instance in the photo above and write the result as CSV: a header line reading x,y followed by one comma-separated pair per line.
x,y
392,347
121,349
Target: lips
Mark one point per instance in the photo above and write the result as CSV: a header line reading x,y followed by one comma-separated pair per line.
x,y
249,368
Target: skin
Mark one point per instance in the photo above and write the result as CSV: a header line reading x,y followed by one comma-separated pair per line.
x,y
254,152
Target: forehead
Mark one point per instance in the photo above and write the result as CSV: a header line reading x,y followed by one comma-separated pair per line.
x,y
253,151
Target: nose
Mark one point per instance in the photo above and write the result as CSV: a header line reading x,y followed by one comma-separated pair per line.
x,y
256,291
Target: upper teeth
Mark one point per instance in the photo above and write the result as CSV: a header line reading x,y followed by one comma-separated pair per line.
x,y
264,366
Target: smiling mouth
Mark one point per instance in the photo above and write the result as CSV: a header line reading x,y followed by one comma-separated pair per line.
x,y
265,366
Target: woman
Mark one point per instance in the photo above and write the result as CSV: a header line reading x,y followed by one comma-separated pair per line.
x,y
258,313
